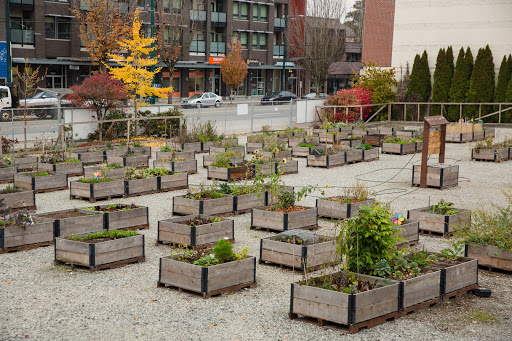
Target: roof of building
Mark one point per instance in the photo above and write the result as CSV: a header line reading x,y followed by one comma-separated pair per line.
x,y
344,68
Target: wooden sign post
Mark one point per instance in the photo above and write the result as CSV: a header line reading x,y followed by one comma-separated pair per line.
x,y
433,143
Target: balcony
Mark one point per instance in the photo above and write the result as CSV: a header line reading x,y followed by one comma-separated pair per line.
x,y
25,5
279,24
122,6
198,46
197,15
22,37
278,51
218,19
218,47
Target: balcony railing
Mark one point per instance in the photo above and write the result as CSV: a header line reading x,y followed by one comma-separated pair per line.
x,y
25,5
23,37
279,23
218,19
197,15
217,47
198,46
278,50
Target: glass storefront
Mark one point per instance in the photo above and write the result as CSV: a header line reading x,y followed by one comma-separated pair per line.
x,y
257,82
276,80
195,81
175,82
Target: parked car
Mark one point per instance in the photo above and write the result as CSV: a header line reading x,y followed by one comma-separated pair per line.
x,y
278,97
312,95
43,98
202,99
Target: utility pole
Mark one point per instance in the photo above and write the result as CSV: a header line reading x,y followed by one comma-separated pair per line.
x,y
283,81
8,43
153,55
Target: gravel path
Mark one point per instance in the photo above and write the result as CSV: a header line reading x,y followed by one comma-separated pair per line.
x,y
41,301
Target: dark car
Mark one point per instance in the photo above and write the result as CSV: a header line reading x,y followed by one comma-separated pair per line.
x,y
278,97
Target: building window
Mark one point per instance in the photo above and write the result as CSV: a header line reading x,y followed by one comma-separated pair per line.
x,y
240,11
242,36
141,4
257,82
260,13
57,27
259,41
195,81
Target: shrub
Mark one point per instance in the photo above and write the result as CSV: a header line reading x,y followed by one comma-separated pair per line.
x,y
442,79
354,96
380,81
419,82
481,84
161,127
460,83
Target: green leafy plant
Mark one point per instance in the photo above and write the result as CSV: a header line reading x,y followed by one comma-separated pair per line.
x,y
304,144
38,174
452,253
204,192
112,234
166,149
364,146
94,180
137,144
444,208
223,251
9,189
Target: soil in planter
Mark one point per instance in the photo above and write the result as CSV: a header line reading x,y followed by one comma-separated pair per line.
x,y
204,195
346,200
112,208
343,281
62,215
103,236
287,210
292,240
201,221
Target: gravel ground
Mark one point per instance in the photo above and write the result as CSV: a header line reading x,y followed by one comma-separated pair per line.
x,y
41,301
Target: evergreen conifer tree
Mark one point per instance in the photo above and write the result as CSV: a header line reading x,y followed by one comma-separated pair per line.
x,y
506,117
426,85
482,83
501,85
457,91
413,85
442,78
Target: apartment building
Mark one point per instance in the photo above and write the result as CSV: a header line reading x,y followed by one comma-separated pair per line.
x,y
46,33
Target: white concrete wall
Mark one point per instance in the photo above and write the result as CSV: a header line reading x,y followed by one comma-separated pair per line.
x,y
432,24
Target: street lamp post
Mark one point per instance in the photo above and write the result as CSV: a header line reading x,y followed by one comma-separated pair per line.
x,y
8,43
283,73
153,55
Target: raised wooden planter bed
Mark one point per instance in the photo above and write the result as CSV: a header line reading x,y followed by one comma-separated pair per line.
x,y
122,150
312,139
187,166
294,141
353,156
355,311
439,175
26,163
439,223
141,186
109,173
189,146
375,140
209,281
489,256
245,202
317,251
283,154
458,277
95,191
421,291
410,231
266,169
371,154
71,169
216,150
337,210
359,132
277,221
335,138
220,143
290,167
49,183
174,231
250,147
172,182
18,238
74,221
7,174
190,155
137,161
495,155
131,219
209,159
303,151
21,199
185,206
87,155
106,254
326,161
348,143
399,148
409,134
230,174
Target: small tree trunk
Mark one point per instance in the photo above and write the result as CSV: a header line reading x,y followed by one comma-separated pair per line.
x,y
134,115
169,98
25,135
100,126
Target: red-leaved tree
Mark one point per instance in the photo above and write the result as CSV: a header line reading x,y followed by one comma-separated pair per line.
x,y
101,93
354,96
233,68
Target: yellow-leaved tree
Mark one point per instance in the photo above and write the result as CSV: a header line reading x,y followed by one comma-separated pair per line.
x,y
135,68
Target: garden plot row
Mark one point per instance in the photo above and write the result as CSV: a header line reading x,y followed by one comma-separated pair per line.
x,y
247,171
495,153
334,159
42,229
202,147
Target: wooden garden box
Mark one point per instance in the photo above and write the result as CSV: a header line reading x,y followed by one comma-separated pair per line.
x,y
220,143
229,174
302,151
26,163
423,288
346,309
15,237
496,155
283,154
294,141
336,138
371,154
21,199
410,232
489,256
399,148
245,202
489,132
348,143
141,186
321,250
326,160
74,221
190,155
353,156
102,254
337,210
459,275
132,219
88,155
409,134
290,167
312,139
266,169
187,166
359,132
94,191
439,175
71,169
439,223
375,140
250,147
122,150
136,161
185,206
7,174
48,183
109,173
216,150
209,159
207,281
189,146
175,232
277,221
172,182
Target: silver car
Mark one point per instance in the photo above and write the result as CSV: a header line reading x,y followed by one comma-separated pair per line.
x,y
203,99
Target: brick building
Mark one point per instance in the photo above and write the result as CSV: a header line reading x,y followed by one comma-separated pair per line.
x,y
378,31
